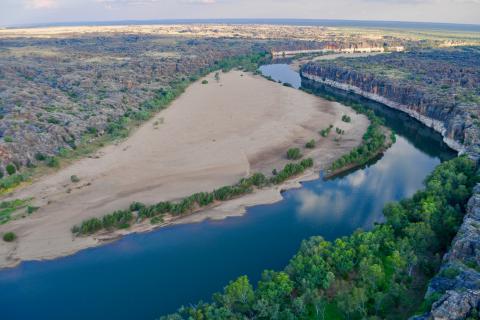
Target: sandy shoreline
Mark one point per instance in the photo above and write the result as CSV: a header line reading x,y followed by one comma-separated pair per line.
x,y
211,136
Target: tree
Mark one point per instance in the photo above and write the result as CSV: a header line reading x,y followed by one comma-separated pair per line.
x,y
238,295
11,169
294,154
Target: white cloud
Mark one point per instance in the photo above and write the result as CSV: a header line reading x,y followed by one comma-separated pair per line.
x,y
41,4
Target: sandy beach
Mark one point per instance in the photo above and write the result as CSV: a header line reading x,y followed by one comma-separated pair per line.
x,y
211,136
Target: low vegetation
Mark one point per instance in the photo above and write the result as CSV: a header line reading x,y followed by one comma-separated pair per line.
x,y
9,237
294,154
138,212
10,209
377,274
310,144
374,140
325,132
346,118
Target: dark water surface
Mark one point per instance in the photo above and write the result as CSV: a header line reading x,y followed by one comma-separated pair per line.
x,y
144,276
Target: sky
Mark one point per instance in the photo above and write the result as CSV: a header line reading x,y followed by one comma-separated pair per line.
x,y
18,12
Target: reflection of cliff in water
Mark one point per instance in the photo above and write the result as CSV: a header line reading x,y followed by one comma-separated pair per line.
x,y
421,136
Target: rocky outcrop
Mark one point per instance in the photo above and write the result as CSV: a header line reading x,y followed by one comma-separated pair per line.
x,y
458,283
440,98
455,290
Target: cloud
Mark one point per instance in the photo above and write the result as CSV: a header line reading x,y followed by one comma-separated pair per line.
x,y
41,4
140,2
200,1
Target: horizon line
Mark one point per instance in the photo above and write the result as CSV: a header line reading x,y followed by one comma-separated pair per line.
x,y
306,21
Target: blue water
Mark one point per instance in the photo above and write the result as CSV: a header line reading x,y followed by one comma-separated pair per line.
x,y
144,276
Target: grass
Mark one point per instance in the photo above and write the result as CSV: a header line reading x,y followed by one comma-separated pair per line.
x,y
8,208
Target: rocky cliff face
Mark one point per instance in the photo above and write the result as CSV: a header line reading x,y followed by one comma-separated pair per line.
x,y
455,290
438,88
458,283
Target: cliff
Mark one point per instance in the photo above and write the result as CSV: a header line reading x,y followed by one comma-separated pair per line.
x,y
443,93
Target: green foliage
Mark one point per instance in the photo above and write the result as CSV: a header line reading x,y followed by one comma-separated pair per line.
x,y
8,139
294,154
53,162
31,209
346,118
40,156
123,218
377,274
7,208
325,132
373,141
74,179
310,144
9,237
12,181
290,170
11,169
204,81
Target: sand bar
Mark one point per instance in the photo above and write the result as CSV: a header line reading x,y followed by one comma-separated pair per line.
x,y
211,136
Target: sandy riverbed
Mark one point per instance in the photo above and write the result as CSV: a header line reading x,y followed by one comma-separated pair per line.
x,y
211,136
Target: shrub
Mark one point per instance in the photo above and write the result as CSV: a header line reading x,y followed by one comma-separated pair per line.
x,y
11,169
8,139
204,81
53,162
156,220
346,118
450,272
1,173
258,179
310,144
325,132
9,237
294,154
31,209
74,179
40,156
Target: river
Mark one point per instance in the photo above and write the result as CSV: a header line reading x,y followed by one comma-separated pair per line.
x,y
143,276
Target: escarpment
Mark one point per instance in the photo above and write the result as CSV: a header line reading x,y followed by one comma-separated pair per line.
x,y
442,92
441,89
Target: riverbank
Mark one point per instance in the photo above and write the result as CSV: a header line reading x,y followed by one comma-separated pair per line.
x,y
213,135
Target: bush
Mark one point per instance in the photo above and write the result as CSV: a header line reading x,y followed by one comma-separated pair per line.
x,y
310,144
204,81
74,179
40,156
294,154
11,169
9,237
325,132
53,162
346,118
31,209
8,139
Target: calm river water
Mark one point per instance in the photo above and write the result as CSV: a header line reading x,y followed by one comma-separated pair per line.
x,y
144,276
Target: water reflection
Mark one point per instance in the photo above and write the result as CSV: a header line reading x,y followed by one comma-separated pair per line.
x,y
357,199
283,73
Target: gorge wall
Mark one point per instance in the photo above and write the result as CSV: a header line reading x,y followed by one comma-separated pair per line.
x,y
455,290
